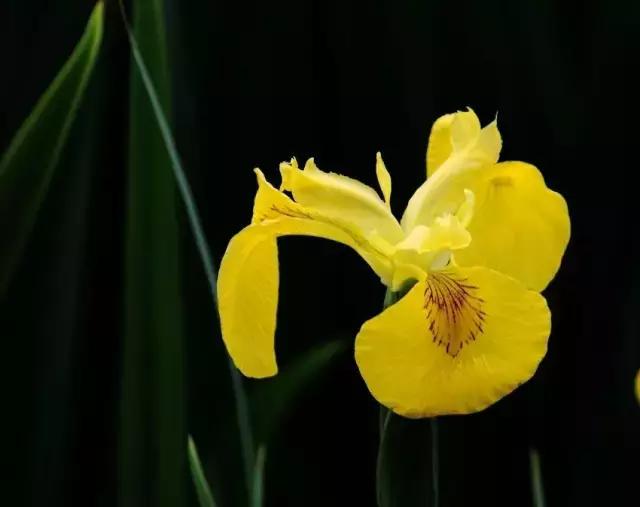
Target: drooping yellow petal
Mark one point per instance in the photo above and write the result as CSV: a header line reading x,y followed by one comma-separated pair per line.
x,y
384,179
456,343
248,289
637,386
340,197
248,299
458,149
248,278
519,227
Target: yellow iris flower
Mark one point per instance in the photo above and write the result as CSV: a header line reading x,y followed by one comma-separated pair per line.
x,y
480,239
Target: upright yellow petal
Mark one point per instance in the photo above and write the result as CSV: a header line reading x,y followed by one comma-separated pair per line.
x,y
460,132
248,278
439,147
340,197
384,179
464,130
519,226
458,149
456,343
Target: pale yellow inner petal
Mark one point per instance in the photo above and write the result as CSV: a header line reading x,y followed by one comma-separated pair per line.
x,y
384,179
428,248
340,197
272,205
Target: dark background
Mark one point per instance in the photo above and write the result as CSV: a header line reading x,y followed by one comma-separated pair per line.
x,y
255,83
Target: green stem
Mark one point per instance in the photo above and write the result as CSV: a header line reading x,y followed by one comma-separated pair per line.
x,y
386,421
536,478
257,494
385,417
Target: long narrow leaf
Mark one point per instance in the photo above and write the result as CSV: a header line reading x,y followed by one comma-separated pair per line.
x,y
26,168
153,430
257,494
242,409
203,491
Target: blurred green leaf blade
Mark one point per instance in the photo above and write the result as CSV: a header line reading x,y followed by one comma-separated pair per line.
x,y
153,431
28,164
272,398
257,493
242,405
203,491
405,463
537,485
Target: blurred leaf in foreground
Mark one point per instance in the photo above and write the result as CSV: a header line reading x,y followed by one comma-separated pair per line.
x,y
155,104
537,485
257,493
153,434
272,398
28,164
406,463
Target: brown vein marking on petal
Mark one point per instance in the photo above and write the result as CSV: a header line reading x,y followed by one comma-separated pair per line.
x,y
276,211
453,311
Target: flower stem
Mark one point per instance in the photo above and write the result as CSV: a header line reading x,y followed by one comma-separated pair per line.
x,y
536,478
402,450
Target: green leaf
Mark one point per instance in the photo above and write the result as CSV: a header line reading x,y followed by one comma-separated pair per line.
x,y
203,491
273,397
257,494
155,103
153,431
26,168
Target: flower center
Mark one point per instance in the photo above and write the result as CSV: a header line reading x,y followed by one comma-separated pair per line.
x,y
453,311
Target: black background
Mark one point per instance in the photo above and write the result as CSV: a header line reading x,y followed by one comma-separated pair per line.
x,y
255,83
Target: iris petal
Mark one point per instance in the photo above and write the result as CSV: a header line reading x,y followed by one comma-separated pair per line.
x,y
340,197
519,226
248,278
456,343
458,152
